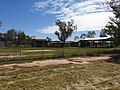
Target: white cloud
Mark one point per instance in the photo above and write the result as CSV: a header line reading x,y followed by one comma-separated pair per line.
x,y
92,21
48,29
87,14
40,5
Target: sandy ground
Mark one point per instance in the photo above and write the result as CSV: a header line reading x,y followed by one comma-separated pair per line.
x,y
37,50
77,60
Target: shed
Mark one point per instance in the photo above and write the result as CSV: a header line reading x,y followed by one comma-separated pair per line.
x,y
95,42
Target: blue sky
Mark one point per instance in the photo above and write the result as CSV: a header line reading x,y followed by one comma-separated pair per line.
x,y
37,17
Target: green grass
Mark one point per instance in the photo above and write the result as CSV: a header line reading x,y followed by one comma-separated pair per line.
x,y
56,53
99,75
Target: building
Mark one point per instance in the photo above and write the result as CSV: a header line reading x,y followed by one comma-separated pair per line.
x,y
60,44
39,42
95,42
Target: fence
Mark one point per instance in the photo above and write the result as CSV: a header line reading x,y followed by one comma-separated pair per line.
x,y
46,52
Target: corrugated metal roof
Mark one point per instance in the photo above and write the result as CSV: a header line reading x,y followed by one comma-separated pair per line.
x,y
37,38
92,39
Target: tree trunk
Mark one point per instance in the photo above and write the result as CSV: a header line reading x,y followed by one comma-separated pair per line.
x,y
62,43
63,48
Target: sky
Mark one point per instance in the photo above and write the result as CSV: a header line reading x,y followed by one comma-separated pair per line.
x,y
37,17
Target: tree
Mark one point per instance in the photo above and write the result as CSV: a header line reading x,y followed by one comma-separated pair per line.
x,y
21,37
83,36
91,34
28,41
48,39
76,37
103,33
11,36
0,36
113,26
65,30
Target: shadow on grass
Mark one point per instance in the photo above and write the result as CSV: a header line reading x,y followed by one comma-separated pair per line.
x,y
115,57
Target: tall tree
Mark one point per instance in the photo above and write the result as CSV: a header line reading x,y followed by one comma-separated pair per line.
x,y
113,26
11,35
65,29
21,37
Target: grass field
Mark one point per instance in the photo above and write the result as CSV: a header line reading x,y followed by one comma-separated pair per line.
x,y
100,75
20,55
97,75
53,52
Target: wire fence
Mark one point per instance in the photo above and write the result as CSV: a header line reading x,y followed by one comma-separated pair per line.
x,y
46,52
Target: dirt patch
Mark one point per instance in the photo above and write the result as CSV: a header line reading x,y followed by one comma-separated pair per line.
x,y
77,60
37,50
89,59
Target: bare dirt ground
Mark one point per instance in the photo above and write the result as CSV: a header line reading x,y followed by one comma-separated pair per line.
x,y
36,50
76,60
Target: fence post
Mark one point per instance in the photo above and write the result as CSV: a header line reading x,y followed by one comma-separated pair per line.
x,y
20,51
63,51
42,49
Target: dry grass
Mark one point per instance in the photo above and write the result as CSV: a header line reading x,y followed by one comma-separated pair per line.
x,y
99,75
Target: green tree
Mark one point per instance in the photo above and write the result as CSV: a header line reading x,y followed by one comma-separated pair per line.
x,y
11,36
113,26
28,40
65,30
21,37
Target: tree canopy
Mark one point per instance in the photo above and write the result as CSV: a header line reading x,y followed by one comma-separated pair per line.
x,y
21,37
12,37
65,29
103,33
91,34
48,39
113,26
83,36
